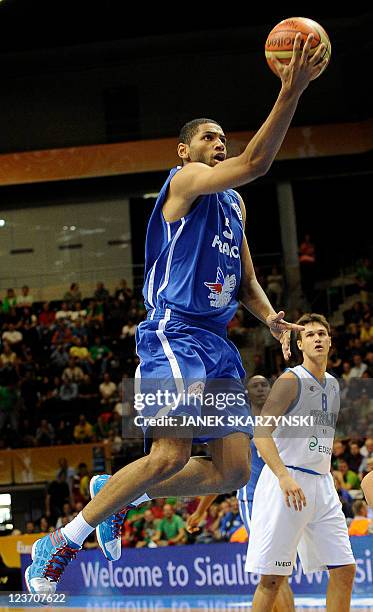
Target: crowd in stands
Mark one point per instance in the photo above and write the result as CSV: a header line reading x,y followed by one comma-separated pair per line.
x,y
62,366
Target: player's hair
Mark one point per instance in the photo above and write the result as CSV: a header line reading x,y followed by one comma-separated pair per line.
x,y
190,129
312,317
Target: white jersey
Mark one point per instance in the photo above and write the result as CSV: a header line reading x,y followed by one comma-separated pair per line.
x,y
309,446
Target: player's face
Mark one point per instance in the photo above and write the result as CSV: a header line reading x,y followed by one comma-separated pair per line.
x,y
315,340
208,146
258,389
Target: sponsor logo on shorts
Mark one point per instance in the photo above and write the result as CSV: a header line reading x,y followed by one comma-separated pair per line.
x,y
283,563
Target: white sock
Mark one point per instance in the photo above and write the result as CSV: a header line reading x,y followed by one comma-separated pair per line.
x,y
77,530
140,500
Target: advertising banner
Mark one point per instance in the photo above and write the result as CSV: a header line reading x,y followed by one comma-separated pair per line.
x,y
194,570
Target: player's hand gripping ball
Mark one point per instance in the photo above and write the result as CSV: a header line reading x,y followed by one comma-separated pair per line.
x,y
280,40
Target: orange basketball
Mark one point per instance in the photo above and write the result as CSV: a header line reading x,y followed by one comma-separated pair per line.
x,y
280,40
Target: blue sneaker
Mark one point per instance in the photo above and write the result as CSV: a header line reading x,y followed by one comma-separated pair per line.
x,y
109,531
50,556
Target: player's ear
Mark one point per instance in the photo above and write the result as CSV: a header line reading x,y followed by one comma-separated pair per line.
x,y
183,150
299,344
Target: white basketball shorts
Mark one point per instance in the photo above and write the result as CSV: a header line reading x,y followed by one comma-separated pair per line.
x,y
318,532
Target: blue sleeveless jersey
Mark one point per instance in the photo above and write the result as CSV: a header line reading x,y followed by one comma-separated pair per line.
x,y
193,266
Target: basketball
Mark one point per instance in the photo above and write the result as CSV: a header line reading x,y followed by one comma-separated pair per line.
x,y
280,40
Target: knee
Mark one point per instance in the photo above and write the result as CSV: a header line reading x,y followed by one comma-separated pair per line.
x,y
272,583
238,476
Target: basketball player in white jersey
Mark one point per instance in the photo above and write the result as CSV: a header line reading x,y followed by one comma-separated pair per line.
x,y
258,389
295,505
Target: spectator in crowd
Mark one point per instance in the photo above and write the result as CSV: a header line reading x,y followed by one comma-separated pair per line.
x,y
68,391
230,521
359,367
9,301
80,487
129,329
64,314
66,515
344,497
62,334
78,312
95,314
356,457
30,527
171,529
145,530
59,358
73,294
13,336
44,526
275,286
47,316
347,478
44,433
123,293
58,493
25,299
8,357
339,452
360,525
101,294
72,373
88,394
367,453
346,371
100,355
83,431
108,391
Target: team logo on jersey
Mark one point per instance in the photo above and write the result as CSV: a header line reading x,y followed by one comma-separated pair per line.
x,y
312,388
221,291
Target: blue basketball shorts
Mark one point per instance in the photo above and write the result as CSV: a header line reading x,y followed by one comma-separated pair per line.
x,y
189,371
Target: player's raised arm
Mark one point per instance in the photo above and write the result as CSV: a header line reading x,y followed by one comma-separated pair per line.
x,y
199,179
283,393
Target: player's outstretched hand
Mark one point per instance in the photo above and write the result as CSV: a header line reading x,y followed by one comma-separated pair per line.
x,y
193,521
303,67
292,492
281,330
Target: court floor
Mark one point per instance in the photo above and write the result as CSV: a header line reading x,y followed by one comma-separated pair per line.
x,y
222,603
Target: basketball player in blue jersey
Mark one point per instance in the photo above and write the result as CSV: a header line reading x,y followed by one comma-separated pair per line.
x,y
258,390
310,518
198,266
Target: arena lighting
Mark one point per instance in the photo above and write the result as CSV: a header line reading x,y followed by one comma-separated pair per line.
x,y
2,221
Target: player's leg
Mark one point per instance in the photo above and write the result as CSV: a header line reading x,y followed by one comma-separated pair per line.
x,y
284,601
52,553
267,592
227,469
367,486
167,457
338,596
